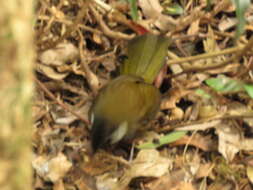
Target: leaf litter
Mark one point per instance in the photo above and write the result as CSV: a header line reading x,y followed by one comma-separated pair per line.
x,y
79,45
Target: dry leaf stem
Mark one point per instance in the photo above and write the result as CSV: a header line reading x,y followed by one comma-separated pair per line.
x,y
107,31
51,95
203,124
205,55
239,52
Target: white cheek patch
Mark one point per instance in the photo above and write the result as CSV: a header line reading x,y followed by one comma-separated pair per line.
x,y
91,120
119,133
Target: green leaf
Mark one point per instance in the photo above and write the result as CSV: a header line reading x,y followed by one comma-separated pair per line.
x,y
171,137
249,89
241,7
203,94
133,9
208,5
224,84
175,9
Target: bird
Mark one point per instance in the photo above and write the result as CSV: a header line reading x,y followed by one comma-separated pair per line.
x,y
127,103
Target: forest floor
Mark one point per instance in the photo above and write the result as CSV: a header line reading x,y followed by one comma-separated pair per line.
x,y
206,113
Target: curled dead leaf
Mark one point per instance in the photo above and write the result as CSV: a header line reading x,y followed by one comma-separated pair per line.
x,y
173,98
229,139
52,169
194,28
207,111
202,142
59,55
50,72
51,62
250,173
153,10
148,163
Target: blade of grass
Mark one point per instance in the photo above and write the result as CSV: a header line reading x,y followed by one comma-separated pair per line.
x,y
169,138
133,9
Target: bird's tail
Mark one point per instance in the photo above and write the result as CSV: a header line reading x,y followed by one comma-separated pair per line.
x,y
145,56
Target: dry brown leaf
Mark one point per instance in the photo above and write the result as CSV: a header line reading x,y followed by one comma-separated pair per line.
x,y
201,142
64,118
153,10
176,113
250,173
58,185
173,98
246,144
223,5
221,185
199,126
194,28
109,64
59,55
58,167
81,184
39,110
52,61
184,186
93,80
50,72
227,23
97,38
53,24
229,139
210,44
148,163
167,181
100,163
57,13
87,73
241,109
207,111
52,169
38,182
176,68
205,170
106,181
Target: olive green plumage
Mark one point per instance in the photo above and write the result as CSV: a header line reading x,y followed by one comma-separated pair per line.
x,y
146,56
126,103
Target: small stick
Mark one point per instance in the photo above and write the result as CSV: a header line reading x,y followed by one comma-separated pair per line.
x,y
51,95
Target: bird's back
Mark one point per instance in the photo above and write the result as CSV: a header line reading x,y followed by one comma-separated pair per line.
x,y
127,98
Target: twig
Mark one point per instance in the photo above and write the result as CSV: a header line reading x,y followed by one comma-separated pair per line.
x,y
246,48
239,52
248,68
85,67
117,16
70,23
106,29
68,32
101,57
103,5
210,122
205,55
50,94
118,159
